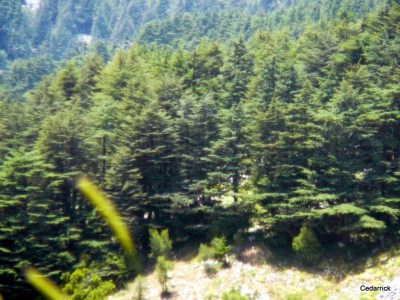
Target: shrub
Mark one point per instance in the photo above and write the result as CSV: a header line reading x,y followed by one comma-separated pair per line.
x,y
83,284
211,267
220,248
234,294
205,253
162,268
307,246
239,239
214,255
217,250
160,243
113,267
322,294
294,296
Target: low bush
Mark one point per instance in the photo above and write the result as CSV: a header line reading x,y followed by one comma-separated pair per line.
x,y
307,246
234,294
84,284
162,268
160,243
205,252
221,248
217,250
294,296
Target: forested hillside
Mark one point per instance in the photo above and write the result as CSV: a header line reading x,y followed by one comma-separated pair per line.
x,y
38,37
65,28
222,117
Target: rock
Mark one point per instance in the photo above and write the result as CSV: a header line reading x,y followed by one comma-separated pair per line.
x,y
310,288
264,296
327,272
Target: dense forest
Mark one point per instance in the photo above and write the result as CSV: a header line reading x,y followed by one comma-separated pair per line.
x,y
206,118
64,28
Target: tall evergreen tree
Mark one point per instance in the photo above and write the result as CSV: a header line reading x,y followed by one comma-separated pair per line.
x,y
237,72
35,229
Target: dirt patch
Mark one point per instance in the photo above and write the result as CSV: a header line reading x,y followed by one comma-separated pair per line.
x,y
253,255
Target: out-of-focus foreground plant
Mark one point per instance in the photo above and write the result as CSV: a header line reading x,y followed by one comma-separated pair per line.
x,y
50,290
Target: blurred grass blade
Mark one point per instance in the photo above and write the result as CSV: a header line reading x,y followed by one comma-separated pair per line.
x,y
107,209
44,285
1,297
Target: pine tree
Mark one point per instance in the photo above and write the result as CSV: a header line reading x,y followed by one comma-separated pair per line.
x,y
14,29
146,167
307,246
102,120
229,152
160,243
35,229
114,77
89,77
237,72
293,144
62,143
67,81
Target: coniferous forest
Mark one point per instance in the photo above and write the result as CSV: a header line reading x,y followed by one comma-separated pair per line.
x,y
201,119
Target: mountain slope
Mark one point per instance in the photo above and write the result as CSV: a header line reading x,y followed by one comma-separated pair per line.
x,y
57,26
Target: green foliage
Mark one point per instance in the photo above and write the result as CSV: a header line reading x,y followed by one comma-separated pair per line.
x,y
160,243
240,239
86,284
25,185
3,61
64,29
44,285
113,219
294,296
234,294
272,129
23,75
113,266
162,268
205,252
307,246
218,250
14,29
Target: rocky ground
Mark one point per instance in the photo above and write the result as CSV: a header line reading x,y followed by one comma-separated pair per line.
x,y
250,273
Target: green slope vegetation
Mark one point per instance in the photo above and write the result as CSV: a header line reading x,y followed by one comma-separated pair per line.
x,y
62,30
59,28
291,133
